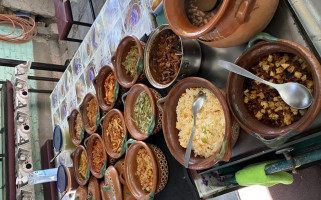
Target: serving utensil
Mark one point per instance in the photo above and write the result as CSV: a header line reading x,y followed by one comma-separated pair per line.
x,y
294,94
197,105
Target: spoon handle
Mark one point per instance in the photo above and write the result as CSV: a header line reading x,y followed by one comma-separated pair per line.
x,y
243,72
189,146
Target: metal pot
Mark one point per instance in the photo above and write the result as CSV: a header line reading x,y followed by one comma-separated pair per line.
x,y
190,61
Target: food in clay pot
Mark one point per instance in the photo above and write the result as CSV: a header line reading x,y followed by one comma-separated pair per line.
x,y
111,188
200,12
164,58
76,129
90,113
82,171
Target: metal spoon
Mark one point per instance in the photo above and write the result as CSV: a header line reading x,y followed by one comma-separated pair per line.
x,y
294,94
197,105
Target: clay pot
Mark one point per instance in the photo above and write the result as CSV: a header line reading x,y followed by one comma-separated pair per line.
x,y
110,188
81,193
160,169
91,141
235,97
171,133
83,111
76,158
129,114
122,50
120,167
66,180
234,23
72,131
93,188
99,83
106,138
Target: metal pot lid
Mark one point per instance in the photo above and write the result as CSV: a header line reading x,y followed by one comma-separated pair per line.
x,y
62,179
57,138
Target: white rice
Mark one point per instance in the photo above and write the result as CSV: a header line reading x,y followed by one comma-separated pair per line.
x,y
210,123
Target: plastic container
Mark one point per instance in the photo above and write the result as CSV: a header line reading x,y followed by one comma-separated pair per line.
x,y
61,140
42,176
66,179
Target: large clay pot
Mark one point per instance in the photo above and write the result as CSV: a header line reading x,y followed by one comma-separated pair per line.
x,y
272,136
81,193
106,138
90,144
122,50
110,188
235,22
76,157
160,169
93,189
171,132
83,111
99,83
129,114
66,180
72,131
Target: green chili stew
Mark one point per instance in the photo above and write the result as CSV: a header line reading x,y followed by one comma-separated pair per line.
x,y
143,112
131,61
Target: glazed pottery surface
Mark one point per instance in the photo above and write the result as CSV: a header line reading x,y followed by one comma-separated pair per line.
x,y
235,89
170,119
235,22
122,50
129,114
83,111
76,157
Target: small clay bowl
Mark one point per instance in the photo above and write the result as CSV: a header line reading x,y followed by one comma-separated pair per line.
x,y
72,131
76,158
106,138
83,111
171,132
235,83
120,167
93,188
160,169
91,141
81,193
99,83
129,114
110,188
122,50
66,180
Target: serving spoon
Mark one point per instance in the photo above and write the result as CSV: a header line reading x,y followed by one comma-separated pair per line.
x,y
197,105
294,94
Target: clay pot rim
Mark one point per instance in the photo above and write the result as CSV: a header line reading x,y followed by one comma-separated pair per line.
x,y
108,69
66,169
121,175
130,184
80,180
312,111
132,128
119,56
194,32
112,170
72,117
83,111
95,136
172,145
109,115
82,188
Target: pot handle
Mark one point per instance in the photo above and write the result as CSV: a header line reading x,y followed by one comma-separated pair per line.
x,y
85,141
160,102
123,148
139,66
260,36
103,169
224,147
151,195
276,142
122,97
242,11
101,120
116,91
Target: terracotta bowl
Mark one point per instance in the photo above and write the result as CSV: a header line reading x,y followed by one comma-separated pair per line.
x,y
83,112
129,114
91,141
99,83
122,50
234,23
235,89
120,167
170,119
110,188
160,169
81,193
71,122
76,158
106,138
93,188
66,179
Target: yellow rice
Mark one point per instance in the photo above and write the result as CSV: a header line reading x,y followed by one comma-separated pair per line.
x,y
210,123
